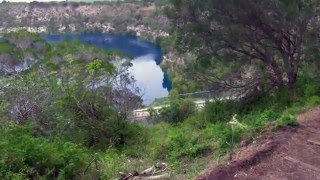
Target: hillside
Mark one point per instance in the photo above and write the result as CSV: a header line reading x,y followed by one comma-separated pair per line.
x,y
288,153
142,19
65,106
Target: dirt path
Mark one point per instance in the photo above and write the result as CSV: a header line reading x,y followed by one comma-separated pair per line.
x,y
290,153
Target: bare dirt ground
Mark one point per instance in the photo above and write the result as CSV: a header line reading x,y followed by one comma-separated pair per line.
x,y
284,154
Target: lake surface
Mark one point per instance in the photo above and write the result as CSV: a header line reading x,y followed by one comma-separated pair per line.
x,y
151,78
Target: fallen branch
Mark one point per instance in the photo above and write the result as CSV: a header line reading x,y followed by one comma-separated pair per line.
x,y
151,173
162,176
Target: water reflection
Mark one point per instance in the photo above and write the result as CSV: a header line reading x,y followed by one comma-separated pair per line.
x,y
149,77
153,80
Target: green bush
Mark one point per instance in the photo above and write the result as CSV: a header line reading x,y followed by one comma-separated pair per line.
x,y
25,156
311,90
283,97
223,134
288,118
220,111
178,111
313,100
158,144
258,120
186,109
113,163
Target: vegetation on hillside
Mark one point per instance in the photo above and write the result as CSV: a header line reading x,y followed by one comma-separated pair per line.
x,y
64,113
246,45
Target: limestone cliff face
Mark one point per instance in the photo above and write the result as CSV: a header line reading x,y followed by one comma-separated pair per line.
x,y
64,17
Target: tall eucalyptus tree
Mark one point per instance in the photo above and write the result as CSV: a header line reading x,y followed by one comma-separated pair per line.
x,y
274,36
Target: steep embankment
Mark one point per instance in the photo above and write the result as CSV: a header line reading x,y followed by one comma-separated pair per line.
x,y
65,17
290,153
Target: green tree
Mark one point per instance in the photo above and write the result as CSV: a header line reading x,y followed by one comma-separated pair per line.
x,y
273,36
75,92
179,109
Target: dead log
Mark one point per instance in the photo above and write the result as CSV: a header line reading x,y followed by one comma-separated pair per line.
x,y
156,177
151,173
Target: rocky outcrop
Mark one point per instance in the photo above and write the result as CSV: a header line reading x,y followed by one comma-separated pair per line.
x,y
66,17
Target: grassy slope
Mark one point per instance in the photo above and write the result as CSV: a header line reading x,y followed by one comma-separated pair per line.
x,y
207,135
186,147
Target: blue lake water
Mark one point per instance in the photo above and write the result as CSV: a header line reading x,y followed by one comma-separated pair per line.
x,y
151,78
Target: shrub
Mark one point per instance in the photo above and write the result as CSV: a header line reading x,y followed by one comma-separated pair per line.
x,y
178,111
220,111
25,156
283,96
287,119
158,145
223,134
258,120
186,109
113,163
95,122
311,90
313,100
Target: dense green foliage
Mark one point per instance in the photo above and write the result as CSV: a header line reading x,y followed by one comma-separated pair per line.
x,y
243,44
64,103
202,134
179,109
64,117
25,156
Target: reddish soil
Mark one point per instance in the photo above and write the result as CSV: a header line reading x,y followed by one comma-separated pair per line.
x,y
265,159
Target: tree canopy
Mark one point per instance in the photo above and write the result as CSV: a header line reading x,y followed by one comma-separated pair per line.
x,y
265,40
68,86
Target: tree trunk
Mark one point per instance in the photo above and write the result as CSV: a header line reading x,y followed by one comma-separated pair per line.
x,y
292,79
275,74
